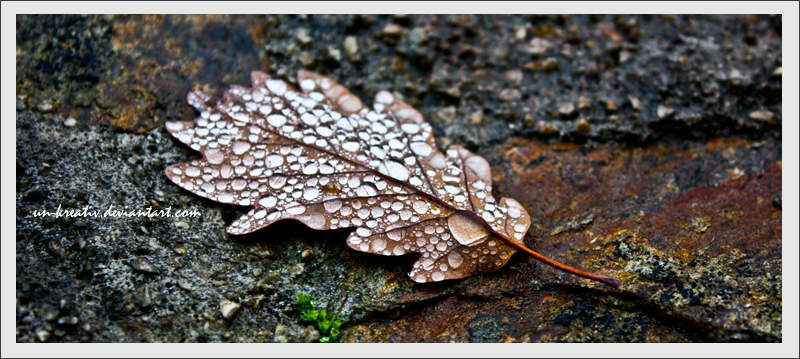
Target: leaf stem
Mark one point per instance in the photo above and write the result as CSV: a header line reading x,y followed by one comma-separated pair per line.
x,y
614,283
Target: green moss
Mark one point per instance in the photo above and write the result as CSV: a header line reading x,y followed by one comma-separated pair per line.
x,y
327,324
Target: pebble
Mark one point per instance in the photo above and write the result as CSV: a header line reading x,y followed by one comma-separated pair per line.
x,y
181,224
514,76
185,285
262,250
583,102
306,59
179,250
762,116
70,122
333,54
49,312
778,72
538,46
45,106
302,37
664,112
297,269
521,33
549,64
509,95
142,265
477,118
397,64
566,110
583,125
43,335
635,103
447,114
454,92
611,106
228,308
68,320
392,30
546,128
310,334
307,255
351,49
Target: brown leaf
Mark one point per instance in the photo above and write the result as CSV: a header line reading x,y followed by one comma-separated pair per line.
x,y
319,156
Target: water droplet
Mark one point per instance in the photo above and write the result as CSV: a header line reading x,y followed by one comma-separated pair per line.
x,y
410,128
308,84
332,206
310,168
421,207
309,119
422,149
276,120
277,181
310,193
277,87
225,197
295,210
394,169
465,229
351,146
192,171
366,190
378,244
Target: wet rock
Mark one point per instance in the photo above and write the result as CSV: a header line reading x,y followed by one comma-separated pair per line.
x,y
45,106
514,76
262,250
567,110
649,199
453,92
635,103
307,255
538,47
546,128
509,95
228,308
583,102
143,265
333,54
611,106
351,49
68,320
301,35
306,59
477,118
447,114
310,334
762,116
664,112
548,64
520,34
582,125
391,33
43,335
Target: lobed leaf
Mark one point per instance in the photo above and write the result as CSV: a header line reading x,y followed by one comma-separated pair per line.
x,y
319,156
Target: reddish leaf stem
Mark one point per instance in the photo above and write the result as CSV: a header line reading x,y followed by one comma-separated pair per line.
x,y
593,276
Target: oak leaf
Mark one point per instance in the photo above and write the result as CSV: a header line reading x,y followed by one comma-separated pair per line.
x,y
319,156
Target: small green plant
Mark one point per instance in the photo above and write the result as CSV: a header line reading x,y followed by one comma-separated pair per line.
x,y
327,324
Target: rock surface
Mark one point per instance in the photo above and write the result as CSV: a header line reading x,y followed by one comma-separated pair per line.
x,y
665,172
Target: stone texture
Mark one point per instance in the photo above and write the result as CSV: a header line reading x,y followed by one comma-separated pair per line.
x,y
685,209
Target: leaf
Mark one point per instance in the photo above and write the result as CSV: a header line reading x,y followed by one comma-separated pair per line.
x,y
319,156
